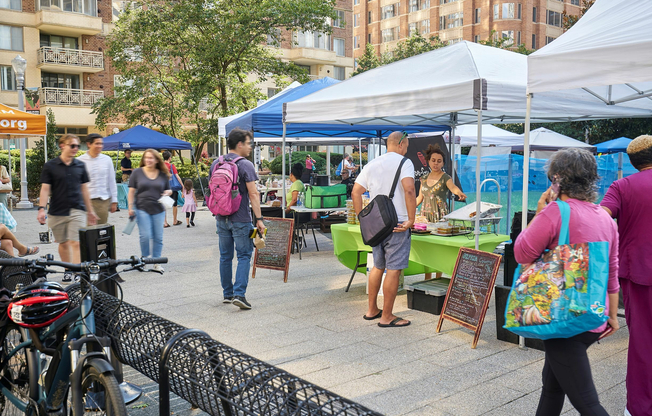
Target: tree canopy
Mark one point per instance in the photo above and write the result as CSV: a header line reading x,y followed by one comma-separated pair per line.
x,y
185,63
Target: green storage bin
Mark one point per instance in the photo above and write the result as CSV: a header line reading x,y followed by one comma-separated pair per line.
x,y
325,196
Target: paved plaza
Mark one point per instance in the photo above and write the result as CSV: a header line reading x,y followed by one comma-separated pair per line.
x,y
310,327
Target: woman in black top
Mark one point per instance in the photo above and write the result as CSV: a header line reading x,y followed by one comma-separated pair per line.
x,y
147,185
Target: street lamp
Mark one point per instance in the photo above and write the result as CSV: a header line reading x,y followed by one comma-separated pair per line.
x,y
19,65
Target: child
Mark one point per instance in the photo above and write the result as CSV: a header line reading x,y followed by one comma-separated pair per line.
x,y
190,206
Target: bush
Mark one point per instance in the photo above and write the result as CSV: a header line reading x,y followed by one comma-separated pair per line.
x,y
298,157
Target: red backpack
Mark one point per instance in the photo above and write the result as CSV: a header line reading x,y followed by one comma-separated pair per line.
x,y
225,196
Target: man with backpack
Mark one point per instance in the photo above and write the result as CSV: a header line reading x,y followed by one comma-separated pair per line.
x,y
232,186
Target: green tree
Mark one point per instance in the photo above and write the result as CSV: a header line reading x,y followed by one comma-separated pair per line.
x,y
569,20
188,63
368,60
51,139
505,43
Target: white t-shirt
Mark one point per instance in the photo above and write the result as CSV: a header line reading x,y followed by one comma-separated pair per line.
x,y
377,178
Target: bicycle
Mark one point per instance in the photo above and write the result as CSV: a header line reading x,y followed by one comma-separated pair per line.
x,y
44,370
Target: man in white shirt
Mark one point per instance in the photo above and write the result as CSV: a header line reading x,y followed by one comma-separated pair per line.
x,y
102,186
394,252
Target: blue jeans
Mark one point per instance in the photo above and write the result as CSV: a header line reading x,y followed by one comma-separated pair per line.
x,y
234,234
150,228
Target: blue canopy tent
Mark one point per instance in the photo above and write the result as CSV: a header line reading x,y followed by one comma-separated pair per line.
x,y
613,146
141,138
267,121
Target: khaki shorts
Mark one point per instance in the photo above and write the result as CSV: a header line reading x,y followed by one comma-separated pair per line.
x,y
101,208
66,227
125,178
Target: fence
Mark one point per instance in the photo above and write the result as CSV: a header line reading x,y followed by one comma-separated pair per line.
x,y
210,375
508,171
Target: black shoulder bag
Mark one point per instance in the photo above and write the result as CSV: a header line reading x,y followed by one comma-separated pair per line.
x,y
378,219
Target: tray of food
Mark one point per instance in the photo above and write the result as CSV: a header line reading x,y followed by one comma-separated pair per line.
x,y
469,212
461,232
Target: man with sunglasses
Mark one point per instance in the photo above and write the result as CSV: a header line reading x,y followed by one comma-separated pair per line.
x,y
65,179
393,253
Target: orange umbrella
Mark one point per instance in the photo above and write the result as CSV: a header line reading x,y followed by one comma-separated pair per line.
x,y
13,121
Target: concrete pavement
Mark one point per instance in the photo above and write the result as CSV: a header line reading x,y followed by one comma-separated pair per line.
x,y
310,327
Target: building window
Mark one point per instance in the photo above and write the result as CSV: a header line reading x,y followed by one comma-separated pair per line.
x,y
453,41
369,19
413,28
11,4
316,40
272,92
518,38
496,11
455,20
476,38
340,20
534,41
356,20
389,35
67,81
442,22
11,38
575,2
356,42
59,41
413,6
425,4
447,1
389,11
549,39
339,72
520,9
88,7
425,27
534,14
508,37
554,18
7,78
338,46
508,10
477,16
356,2
369,39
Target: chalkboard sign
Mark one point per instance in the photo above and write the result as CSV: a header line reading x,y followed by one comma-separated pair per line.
x,y
278,242
470,290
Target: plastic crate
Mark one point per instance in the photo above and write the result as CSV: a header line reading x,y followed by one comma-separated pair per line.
x,y
428,295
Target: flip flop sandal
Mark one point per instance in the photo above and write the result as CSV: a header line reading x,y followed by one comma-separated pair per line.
x,y
393,324
371,318
30,251
178,223
166,226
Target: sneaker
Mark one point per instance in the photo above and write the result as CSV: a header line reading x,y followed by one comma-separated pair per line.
x,y
241,302
227,299
192,223
158,268
188,226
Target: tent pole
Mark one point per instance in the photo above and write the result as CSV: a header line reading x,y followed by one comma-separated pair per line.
x,y
620,165
45,148
328,164
451,147
526,178
478,190
283,169
199,177
360,150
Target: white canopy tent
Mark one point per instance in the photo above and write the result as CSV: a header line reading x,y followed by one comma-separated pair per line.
x,y
544,139
464,83
467,136
610,67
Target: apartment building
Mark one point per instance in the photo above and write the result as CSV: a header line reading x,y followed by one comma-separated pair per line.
x,y
383,23
63,42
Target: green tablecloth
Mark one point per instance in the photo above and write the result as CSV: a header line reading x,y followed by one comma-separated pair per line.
x,y
428,253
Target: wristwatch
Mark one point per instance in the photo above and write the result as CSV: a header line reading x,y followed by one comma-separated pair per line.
x,y
259,219
40,208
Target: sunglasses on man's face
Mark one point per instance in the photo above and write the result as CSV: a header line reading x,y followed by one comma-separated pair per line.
x,y
402,137
74,146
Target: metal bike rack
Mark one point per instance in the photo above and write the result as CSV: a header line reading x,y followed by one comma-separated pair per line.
x,y
210,375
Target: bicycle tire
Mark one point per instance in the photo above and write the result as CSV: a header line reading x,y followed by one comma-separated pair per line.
x,y
17,373
94,383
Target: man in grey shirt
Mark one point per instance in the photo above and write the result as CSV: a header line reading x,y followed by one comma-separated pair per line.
x,y
234,229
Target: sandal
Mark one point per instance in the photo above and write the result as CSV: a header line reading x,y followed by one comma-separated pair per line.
x,y
30,251
371,318
177,223
166,226
394,323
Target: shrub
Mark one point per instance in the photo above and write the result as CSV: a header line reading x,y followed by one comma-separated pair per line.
x,y
299,157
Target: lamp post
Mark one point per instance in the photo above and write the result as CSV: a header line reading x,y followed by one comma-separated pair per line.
x,y
19,65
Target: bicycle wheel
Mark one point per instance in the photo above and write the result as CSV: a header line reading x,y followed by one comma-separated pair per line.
x,y
101,393
17,374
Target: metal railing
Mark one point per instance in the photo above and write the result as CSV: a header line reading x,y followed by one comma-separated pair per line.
x,y
210,375
66,96
70,57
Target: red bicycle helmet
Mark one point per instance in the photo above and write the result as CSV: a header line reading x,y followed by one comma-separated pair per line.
x,y
38,305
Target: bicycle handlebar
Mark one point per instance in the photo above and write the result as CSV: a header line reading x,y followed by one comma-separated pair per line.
x,y
105,264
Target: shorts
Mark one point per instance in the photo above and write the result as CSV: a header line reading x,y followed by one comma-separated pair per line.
x,y
101,208
394,252
175,198
66,227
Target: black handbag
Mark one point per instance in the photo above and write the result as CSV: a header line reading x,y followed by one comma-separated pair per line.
x,y
379,218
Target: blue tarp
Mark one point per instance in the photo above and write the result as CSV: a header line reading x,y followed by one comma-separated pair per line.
x,y
613,146
267,120
141,138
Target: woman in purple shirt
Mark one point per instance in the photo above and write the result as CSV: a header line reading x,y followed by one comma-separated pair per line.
x,y
566,371
629,200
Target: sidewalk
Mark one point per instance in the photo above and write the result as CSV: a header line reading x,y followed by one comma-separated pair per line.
x,y
310,327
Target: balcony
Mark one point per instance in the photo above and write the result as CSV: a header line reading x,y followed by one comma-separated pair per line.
x,y
68,23
69,61
311,56
69,97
